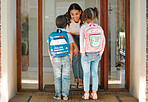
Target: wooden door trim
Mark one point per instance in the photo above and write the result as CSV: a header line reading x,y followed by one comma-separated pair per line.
x,y
40,59
104,61
18,42
106,46
127,50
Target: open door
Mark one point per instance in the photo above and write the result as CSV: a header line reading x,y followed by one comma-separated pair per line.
x,y
36,20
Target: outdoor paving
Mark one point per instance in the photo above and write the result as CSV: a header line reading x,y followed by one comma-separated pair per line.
x,y
75,96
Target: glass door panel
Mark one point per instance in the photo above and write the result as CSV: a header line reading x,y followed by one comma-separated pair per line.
x,y
29,44
51,9
116,43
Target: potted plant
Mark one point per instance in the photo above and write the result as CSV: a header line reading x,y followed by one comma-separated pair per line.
x,y
122,42
25,45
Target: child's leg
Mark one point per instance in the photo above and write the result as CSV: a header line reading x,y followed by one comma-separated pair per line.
x,y
94,74
86,70
65,75
57,75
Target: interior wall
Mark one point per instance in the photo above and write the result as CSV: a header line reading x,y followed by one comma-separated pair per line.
x,y
138,49
8,49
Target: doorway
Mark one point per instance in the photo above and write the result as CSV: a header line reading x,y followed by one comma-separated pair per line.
x,y
50,11
36,21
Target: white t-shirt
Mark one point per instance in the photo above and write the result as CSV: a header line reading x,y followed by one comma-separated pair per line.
x,y
74,27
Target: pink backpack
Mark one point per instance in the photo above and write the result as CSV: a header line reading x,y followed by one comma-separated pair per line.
x,y
94,40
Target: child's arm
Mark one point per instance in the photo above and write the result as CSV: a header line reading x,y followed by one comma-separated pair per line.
x,y
71,53
50,56
76,50
100,54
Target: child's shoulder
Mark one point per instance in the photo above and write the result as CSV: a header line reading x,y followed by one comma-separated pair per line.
x,y
84,25
68,34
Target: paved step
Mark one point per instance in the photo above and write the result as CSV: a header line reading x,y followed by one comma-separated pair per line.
x,y
75,96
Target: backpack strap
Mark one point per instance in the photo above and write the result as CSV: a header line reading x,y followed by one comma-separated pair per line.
x,y
92,24
59,30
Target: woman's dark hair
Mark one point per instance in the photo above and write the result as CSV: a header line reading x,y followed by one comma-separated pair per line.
x,y
74,6
90,13
61,21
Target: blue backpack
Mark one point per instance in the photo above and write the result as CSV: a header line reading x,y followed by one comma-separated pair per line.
x,y
58,43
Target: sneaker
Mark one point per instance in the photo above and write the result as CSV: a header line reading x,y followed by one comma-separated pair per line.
x,y
65,98
57,97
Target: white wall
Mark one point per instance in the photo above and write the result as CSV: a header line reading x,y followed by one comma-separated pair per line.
x,y
138,49
8,42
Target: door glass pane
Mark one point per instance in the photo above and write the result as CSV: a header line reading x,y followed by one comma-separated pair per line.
x,y
29,44
116,43
51,9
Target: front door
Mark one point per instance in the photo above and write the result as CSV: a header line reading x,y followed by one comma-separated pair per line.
x,y
36,20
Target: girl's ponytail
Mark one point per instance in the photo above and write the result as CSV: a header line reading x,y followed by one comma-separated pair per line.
x,y
95,10
90,13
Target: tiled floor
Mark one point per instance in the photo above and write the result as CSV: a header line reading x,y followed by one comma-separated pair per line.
x,y
75,96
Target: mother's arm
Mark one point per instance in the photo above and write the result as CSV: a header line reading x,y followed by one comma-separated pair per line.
x,y
76,50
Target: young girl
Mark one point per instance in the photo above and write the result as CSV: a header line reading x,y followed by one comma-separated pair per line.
x,y
74,17
90,59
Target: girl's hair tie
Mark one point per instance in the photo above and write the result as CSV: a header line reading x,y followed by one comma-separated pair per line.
x,y
94,8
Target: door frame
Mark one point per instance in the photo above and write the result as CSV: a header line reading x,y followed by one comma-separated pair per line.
x,y
103,66
104,25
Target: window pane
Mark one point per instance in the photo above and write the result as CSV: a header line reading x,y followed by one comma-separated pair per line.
x,y
116,43
29,44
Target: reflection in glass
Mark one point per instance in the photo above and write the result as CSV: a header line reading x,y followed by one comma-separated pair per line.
x,y
29,44
116,43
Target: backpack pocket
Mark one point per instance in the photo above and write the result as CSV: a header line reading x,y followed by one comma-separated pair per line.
x,y
94,40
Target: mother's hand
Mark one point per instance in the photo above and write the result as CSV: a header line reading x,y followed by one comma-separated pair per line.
x,y
76,52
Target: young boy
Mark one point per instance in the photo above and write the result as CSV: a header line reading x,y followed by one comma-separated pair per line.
x,y
61,64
